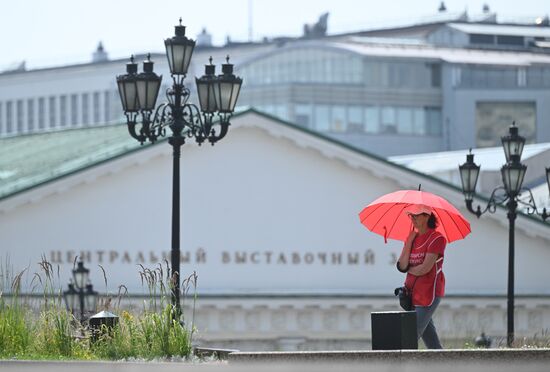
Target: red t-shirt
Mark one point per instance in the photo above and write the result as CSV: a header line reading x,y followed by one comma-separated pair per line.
x,y
432,284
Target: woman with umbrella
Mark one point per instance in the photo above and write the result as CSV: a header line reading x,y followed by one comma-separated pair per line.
x,y
422,260
425,222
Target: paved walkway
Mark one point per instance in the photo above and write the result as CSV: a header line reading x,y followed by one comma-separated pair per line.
x,y
492,360
273,367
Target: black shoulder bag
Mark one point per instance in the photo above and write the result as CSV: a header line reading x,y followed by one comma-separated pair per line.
x,y
404,293
405,297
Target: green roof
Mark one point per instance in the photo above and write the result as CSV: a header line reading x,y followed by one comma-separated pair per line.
x,y
30,160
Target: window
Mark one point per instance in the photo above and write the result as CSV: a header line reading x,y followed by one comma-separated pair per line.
x,y
404,121
489,77
30,115
419,118
74,109
107,106
281,111
41,112
482,39
338,122
355,119
393,75
62,111
434,123
9,117
538,77
303,115
116,106
373,73
494,118
97,108
85,109
510,40
308,65
502,77
322,118
388,120
53,111
372,120
2,129
19,114
435,74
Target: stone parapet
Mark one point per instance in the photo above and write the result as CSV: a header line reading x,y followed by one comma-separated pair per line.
x,y
401,356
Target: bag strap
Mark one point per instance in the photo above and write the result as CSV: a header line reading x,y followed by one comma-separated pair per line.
x,y
437,271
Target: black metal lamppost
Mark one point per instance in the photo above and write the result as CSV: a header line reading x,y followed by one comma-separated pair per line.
x,y
510,195
81,293
217,95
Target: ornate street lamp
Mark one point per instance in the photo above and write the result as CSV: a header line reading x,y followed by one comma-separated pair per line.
x,y
179,50
81,293
469,172
513,173
510,195
127,88
217,95
90,297
71,298
513,143
80,275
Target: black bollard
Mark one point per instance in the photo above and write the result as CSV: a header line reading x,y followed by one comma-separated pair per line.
x,y
394,330
483,341
103,321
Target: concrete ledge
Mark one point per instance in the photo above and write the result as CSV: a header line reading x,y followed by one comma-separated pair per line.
x,y
466,355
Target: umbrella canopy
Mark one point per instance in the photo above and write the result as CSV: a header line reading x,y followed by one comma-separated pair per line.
x,y
386,215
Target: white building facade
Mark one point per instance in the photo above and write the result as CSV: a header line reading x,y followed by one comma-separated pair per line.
x,y
270,225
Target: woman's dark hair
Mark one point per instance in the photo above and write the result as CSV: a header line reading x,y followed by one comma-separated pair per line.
x,y
432,221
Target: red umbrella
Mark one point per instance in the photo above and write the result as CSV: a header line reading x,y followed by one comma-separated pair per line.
x,y
386,215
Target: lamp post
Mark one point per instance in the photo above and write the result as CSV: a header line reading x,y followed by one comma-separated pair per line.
x,y
510,196
217,95
81,293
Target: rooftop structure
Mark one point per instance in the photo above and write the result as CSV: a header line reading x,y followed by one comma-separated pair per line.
x,y
449,82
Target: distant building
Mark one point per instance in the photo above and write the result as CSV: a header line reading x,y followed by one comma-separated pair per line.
x,y
450,82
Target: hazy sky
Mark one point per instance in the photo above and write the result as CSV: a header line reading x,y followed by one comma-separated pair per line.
x,y
56,32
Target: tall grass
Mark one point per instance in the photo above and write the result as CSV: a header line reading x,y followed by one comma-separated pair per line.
x,y
52,332
15,335
159,331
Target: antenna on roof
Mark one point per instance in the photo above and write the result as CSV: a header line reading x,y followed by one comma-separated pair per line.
x,y
442,7
486,8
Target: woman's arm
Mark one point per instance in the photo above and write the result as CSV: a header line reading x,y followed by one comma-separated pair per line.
x,y
426,266
403,262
